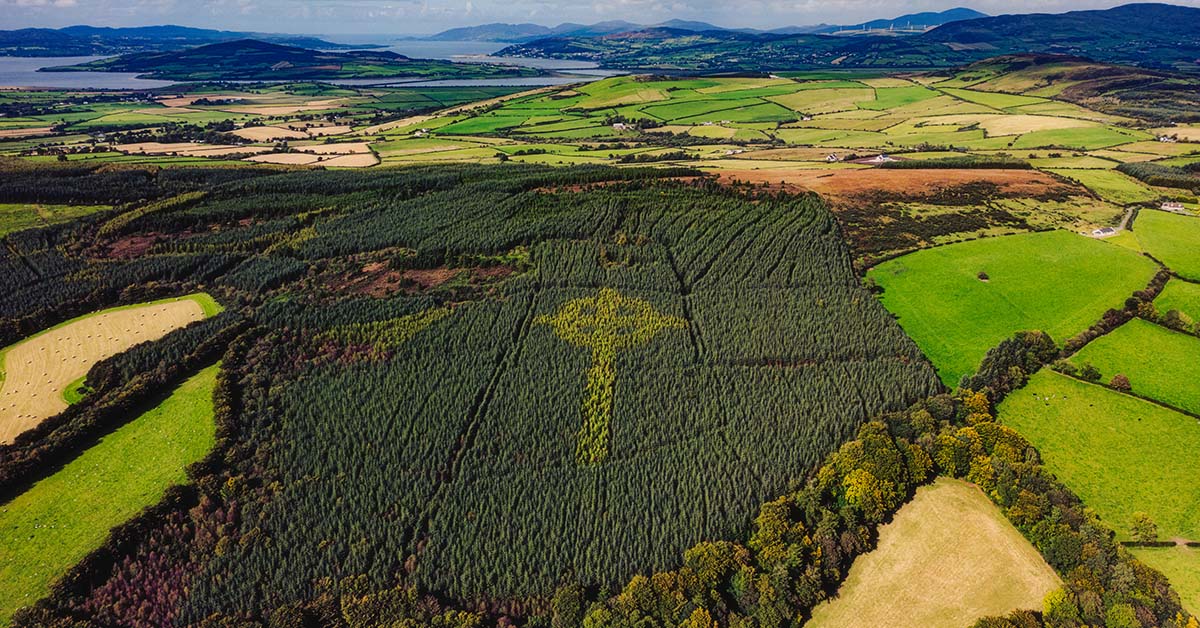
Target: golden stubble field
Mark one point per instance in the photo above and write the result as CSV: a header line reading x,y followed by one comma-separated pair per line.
x,y
947,559
37,370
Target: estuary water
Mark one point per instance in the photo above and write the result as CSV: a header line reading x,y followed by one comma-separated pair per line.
x,y
23,71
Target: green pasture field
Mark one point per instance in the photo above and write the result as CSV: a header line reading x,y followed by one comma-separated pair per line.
x,y
1054,281
1120,454
484,124
892,97
1170,377
54,524
991,99
830,137
1110,185
719,93
20,216
764,112
1082,138
678,110
1171,238
1180,295
1070,162
1181,565
582,133
821,101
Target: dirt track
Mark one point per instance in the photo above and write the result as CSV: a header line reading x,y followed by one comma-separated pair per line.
x,y
39,369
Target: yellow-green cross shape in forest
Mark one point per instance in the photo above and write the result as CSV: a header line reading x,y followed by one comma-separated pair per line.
x,y
604,324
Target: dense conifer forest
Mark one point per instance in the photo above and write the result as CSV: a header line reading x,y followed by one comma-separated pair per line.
x,y
576,374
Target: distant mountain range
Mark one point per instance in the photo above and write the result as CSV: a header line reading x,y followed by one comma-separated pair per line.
x,y
92,40
254,60
524,33
1161,36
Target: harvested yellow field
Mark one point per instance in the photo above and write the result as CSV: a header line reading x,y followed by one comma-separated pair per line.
x,y
394,124
225,151
617,98
155,148
1000,124
294,159
183,101
1160,148
737,84
344,148
1186,133
325,131
39,369
948,558
11,133
1018,124
288,109
188,149
361,160
816,101
885,82
269,133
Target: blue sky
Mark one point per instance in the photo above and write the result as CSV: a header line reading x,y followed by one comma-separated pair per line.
x,y
399,17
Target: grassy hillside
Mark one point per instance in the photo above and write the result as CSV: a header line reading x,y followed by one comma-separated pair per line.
x,y
1152,35
1119,89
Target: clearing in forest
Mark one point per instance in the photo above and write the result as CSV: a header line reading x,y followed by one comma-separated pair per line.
x,y
948,558
35,372
50,527
958,301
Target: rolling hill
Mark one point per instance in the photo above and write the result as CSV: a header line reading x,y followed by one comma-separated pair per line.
x,y
926,19
1116,89
1158,36
524,33
93,40
250,59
